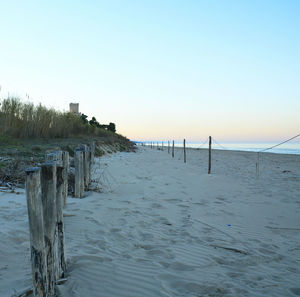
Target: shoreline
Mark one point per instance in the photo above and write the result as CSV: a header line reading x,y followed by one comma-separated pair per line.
x,y
223,150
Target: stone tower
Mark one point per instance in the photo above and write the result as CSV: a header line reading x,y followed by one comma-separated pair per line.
x,y
74,108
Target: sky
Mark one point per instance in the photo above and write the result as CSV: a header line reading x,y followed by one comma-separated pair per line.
x,y
160,69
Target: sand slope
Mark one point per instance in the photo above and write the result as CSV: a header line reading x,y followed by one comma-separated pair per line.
x,y
164,228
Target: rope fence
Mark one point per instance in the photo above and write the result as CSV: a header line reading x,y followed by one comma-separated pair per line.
x,y
210,141
269,148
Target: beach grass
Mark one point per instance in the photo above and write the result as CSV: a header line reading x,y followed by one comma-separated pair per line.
x,y
26,120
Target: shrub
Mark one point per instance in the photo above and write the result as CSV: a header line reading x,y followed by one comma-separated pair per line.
x,y
24,120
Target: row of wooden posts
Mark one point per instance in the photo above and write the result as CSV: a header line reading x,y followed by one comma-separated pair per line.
x,y
46,192
152,145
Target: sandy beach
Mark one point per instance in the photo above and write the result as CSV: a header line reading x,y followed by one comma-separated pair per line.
x,y
160,227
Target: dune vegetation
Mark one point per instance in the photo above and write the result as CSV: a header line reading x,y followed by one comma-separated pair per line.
x,y
28,131
25,120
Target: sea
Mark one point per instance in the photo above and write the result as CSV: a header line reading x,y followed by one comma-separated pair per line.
x,y
286,148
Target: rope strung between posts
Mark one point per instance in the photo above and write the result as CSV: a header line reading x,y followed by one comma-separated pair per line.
x,y
214,141
221,146
269,148
205,142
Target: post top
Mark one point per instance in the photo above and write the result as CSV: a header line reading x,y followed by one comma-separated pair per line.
x,y
32,170
79,149
48,164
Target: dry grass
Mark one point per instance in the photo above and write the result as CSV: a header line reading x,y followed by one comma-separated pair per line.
x,y
27,132
24,120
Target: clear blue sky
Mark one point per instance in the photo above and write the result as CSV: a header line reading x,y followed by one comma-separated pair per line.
x,y
160,69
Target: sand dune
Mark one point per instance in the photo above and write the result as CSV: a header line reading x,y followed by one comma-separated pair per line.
x,y
160,227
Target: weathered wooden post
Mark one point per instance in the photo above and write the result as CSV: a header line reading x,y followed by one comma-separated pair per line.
x,y
92,148
89,167
173,150
55,156
86,165
168,147
37,235
184,151
61,261
79,173
257,165
48,181
65,174
209,156
162,145
61,158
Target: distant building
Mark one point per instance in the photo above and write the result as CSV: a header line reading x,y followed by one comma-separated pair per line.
x,y
74,108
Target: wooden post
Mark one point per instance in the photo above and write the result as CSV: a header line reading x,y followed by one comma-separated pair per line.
x,y
157,146
257,165
184,151
90,166
209,156
92,148
61,158
162,145
173,150
168,147
54,157
36,227
86,168
79,173
61,261
86,164
65,174
48,181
